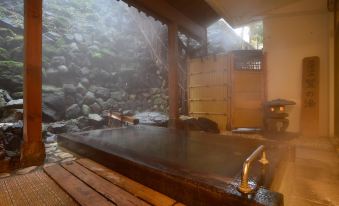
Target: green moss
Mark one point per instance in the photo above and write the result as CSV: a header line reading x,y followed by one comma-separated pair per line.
x,y
16,41
4,32
3,54
11,64
96,56
49,50
60,43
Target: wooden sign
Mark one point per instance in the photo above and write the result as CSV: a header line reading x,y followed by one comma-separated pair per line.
x,y
309,121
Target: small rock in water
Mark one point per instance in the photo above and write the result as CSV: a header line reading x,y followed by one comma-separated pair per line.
x,y
50,149
52,159
64,155
52,138
95,118
47,145
26,170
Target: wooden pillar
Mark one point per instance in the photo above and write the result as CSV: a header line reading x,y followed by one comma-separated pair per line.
x,y
336,68
32,150
173,74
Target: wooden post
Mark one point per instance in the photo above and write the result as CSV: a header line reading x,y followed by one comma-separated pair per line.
x,y
173,74
336,68
32,150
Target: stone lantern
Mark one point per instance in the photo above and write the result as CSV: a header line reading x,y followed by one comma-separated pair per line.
x,y
275,119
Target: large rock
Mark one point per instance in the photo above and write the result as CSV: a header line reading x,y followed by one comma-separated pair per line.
x,y
50,115
4,97
5,32
152,118
11,76
3,54
55,100
95,108
95,120
118,95
15,41
73,111
81,89
11,115
89,98
58,60
12,135
57,127
102,92
69,88
85,109
15,104
199,124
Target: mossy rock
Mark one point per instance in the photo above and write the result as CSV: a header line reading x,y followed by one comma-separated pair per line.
x,y
5,32
11,77
13,66
16,41
17,54
96,56
3,54
50,50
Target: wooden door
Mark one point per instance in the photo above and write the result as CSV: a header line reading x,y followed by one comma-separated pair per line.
x,y
248,89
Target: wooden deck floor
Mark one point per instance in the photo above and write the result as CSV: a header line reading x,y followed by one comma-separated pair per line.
x,y
80,182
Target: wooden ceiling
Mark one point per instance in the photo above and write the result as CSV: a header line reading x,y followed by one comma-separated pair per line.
x,y
241,12
191,16
197,10
194,16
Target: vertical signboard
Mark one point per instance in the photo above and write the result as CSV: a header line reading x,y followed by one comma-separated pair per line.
x,y
309,122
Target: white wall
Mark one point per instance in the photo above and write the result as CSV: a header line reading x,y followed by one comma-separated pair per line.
x,y
290,34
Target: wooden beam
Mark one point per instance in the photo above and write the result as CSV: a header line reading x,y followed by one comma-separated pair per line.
x,y
166,13
32,151
173,73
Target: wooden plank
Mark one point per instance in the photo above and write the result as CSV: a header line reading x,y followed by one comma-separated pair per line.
x,y
81,193
309,121
32,151
163,11
151,196
173,89
102,186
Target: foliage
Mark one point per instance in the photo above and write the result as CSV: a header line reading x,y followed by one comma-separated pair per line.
x,y
256,34
11,65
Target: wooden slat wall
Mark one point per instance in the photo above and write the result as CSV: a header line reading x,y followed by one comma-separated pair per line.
x,y
208,88
232,98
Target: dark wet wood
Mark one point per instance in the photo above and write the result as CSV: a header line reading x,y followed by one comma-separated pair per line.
x,y
32,151
81,192
173,88
135,188
192,167
102,186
